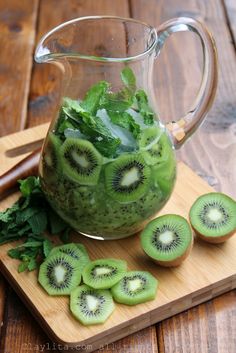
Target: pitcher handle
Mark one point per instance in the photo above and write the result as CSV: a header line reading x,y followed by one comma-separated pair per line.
x,y
183,128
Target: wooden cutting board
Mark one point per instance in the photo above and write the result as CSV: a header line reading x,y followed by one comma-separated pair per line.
x,y
210,270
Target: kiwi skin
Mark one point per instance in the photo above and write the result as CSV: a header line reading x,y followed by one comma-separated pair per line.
x,y
178,260
214,240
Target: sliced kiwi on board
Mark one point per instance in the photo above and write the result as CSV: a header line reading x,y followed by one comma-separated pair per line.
x,y
127,178
59,274
80,161
104,273
76,251
167,240
135,287
155,145
91,306
50,157
213,217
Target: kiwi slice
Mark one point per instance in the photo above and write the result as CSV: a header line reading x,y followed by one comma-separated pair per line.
x,y
50,157
80,161
127,178
91,306
76,251
213,217
103,273
135,287
59,274
167,240
155,145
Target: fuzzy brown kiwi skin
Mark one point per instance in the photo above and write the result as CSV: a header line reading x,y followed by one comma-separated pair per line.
x,y
176,262
214,240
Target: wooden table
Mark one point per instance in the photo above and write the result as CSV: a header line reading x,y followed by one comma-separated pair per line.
x,y
27,95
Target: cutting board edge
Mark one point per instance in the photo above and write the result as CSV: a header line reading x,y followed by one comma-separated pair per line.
x,y
130,326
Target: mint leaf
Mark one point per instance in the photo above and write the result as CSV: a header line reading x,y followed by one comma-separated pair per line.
x,y
8,214
128,78
107,146
32,264
144,109
93,96
125,120
119,101
27,186
47,247
38,222
23,266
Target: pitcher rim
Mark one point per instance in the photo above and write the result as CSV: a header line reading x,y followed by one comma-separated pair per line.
x,y
40,56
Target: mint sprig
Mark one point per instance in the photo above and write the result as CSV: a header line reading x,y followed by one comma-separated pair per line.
x,y
30,219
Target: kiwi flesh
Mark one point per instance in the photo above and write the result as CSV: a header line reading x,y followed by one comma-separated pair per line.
x,y
127,178
167,240
80,161
76,251
103,273
59,274
50,157
155,145
213,217
91,306
135,287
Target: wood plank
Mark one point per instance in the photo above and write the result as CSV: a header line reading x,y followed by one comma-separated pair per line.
x,y
208,272
204,153
199,329
230,8
45,85
43,92
17,33
215,140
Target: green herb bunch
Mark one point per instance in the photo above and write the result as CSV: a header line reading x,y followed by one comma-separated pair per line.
x,y
31,218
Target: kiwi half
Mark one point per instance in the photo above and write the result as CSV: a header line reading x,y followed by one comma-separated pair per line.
x,y
76,251
127,178
167,240
81,161
103,273
91,306
59,274
135,287
213,217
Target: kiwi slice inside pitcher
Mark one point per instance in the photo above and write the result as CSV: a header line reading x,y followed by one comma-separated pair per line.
x,y
167,240
213,217
127,178
155,145
81,161
50,157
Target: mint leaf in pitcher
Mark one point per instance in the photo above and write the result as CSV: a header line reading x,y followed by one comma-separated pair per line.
x,y
144,108
128,78
93,96
126,121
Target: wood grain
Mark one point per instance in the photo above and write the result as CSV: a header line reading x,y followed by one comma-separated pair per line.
x,y
230,8
208,272
199,329
17,32
214,142
45,85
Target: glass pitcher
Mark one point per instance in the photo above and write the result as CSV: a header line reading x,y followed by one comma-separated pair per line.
x,y
108,163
